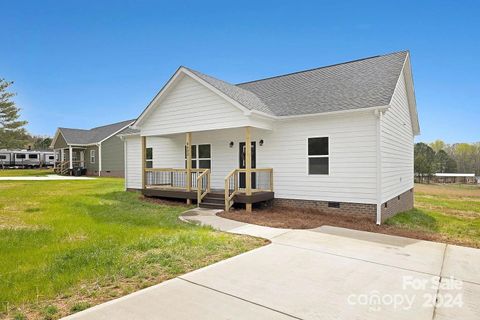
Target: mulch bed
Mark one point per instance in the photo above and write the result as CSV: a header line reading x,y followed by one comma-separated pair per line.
x,y
282,217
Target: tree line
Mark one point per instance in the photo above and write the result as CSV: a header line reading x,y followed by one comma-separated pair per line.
x,y
13,134
440,157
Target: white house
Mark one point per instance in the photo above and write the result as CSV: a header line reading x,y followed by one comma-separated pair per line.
x,y
338,138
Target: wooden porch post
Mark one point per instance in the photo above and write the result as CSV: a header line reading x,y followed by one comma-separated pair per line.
x,y
188,146
248,167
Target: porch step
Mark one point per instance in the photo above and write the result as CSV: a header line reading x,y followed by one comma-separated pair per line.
x,y
214,200
215,195
211,205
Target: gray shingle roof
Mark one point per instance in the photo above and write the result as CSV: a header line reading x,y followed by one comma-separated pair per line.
x,y
128,131
94,135
364,83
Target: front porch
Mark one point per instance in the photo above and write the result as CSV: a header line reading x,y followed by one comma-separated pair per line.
x,y
68,159
245,185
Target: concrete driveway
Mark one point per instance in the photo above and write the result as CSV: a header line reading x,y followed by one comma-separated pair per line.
x,y
44,178
324,273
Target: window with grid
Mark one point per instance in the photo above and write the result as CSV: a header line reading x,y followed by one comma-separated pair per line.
x,y
201,156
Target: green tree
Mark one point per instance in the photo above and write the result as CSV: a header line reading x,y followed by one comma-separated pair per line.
x,y
477,158
423,160
464,154
12,131
437,145
451,165
39,142
444,163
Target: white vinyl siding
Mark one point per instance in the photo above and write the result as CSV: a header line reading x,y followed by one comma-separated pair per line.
x,y
133,165
189,106
352,156
397,145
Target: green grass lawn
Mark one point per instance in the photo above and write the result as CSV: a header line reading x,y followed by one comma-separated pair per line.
x,y
67,245
25,172
452,211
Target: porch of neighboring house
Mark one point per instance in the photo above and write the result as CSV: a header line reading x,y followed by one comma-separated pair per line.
x,y
245,184
69,159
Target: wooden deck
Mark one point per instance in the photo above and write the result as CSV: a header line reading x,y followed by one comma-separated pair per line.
x,y
240,197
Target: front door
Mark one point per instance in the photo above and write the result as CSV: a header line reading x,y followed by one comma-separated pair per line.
x,y
241,153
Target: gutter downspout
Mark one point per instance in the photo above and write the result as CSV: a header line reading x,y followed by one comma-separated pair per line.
x,y
99,159
378,121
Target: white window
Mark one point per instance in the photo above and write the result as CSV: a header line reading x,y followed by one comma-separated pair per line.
x,y
149,158
318,155
201,156
92,156
204,156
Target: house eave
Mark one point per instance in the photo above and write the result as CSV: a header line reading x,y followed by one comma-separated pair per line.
x,y
301,116
412,102
115,133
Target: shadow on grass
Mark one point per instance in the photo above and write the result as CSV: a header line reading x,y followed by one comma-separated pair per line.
x,y
414,219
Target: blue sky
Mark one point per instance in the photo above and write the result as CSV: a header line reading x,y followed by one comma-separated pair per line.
x,y
88,63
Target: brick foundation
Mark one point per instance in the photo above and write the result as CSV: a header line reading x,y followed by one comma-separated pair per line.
x,y
345,207
398,204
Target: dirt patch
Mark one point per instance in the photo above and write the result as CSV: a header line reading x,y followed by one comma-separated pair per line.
x,y
283,217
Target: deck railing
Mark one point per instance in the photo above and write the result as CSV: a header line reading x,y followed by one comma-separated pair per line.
x,y
63,167
171,178
176,179
261,178
231,188
203,185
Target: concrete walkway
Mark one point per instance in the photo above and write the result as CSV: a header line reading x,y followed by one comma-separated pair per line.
x,y
44,178
323,273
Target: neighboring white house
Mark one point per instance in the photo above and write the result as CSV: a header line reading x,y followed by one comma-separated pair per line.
x,y
443,177
339,138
